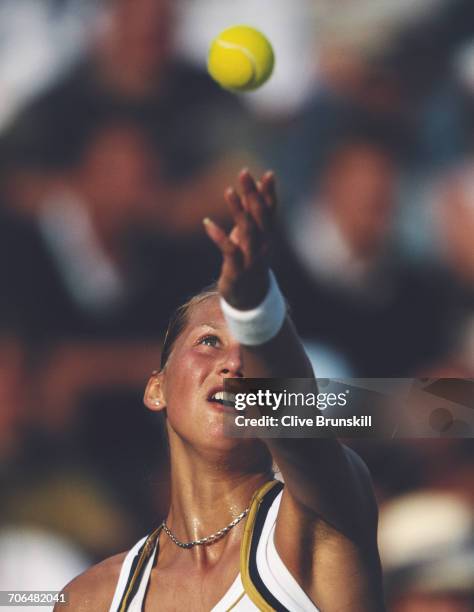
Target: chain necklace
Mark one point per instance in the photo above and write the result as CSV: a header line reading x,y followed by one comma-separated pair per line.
x,y
209,539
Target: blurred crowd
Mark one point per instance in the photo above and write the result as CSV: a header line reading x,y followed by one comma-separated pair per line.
x,y
114,144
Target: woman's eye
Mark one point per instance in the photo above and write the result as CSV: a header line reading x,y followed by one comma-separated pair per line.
x,y
209,341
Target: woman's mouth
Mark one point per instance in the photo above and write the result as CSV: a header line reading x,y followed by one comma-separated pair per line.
x,y
225,399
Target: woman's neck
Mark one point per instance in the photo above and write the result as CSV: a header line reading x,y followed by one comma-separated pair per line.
x,y
206,495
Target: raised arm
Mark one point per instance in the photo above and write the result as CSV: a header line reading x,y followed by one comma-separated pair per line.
x,y
328,499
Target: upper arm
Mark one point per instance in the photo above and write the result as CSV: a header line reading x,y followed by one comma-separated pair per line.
x,y
365,496
336,569
341,497
93,590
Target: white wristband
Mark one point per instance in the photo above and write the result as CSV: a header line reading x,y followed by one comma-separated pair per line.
x,y
260,324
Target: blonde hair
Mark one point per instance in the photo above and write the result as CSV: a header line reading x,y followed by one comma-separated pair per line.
x,y
180,318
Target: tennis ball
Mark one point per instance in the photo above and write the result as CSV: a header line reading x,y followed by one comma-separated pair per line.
x,y
240,58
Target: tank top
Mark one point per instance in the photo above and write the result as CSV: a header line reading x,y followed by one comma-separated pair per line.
x,y
263,583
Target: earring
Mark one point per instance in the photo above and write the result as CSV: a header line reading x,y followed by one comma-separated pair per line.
x,y
157,402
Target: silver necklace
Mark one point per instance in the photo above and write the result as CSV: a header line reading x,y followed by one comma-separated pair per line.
x,y
208,539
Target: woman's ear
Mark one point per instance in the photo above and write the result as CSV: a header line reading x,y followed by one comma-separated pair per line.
x,y
154,398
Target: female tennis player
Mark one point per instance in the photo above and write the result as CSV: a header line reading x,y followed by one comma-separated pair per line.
x,y
234,537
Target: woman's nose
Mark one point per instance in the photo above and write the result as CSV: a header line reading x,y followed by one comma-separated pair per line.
x,y
233,365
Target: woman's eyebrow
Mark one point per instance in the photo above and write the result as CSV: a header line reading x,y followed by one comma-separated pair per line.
x,y
213,326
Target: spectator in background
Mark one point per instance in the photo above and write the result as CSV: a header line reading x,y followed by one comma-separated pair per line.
x,y
385,61
385,316
346,229
453,213
89,246
195,125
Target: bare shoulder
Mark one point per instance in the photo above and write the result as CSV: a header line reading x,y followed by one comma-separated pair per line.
x,y
93,590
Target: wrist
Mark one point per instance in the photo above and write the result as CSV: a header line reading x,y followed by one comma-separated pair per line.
x,y
257,325
249,290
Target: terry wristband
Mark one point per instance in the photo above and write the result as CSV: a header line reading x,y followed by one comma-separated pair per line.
x,y
260,324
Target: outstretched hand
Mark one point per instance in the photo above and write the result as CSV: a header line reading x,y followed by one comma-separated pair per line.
x,y
243,281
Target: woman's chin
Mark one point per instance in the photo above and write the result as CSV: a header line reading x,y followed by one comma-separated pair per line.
x,y
210,432
216,437
217,434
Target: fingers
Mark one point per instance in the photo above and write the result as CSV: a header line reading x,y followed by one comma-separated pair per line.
x,y
246,230
268,190
235,203
228,248
216,234
254,202
252,214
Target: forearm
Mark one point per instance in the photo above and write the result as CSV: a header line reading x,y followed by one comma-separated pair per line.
x,y
282,357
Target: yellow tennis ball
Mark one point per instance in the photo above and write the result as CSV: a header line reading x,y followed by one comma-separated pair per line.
x,y
240,59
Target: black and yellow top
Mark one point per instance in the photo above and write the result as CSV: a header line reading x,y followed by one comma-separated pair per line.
x,y
263,583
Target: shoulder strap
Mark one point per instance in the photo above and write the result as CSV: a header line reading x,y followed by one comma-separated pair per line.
x,y
136,571
251,580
